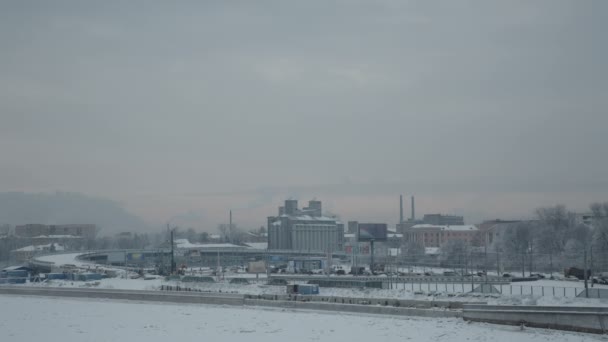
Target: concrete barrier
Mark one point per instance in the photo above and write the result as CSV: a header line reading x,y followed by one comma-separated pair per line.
x,y
227,299
410,303
584,319
367,309
153,296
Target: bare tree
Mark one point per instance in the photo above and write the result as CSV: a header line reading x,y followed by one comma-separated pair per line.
x,y
203,237
557,222
191,234
600,231
224,231
455,254
413,250
519,242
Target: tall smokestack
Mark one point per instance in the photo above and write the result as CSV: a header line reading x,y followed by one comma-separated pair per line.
x,y
413,210
400,209
230,222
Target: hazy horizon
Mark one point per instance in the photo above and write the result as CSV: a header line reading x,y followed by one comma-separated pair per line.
x,y
184,112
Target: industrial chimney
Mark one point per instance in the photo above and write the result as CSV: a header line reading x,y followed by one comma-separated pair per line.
x,y
413,211
400,209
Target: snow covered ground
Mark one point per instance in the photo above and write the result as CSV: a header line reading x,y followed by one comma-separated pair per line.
x,y
63,259
541,292
67,320
261,288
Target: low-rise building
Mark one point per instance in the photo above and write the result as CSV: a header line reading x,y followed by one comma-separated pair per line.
x,y
429,235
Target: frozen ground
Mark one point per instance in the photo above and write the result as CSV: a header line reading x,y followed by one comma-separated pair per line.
x,y
67,320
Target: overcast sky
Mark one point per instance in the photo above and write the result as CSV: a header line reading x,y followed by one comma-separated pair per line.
x,y
482,108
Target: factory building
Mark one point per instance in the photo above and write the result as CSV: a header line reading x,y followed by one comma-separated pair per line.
x,y
304,229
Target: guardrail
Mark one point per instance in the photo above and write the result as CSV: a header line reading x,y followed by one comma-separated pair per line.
x,y
583,319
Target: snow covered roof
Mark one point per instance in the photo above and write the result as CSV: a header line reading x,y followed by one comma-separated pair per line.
x,y
184,243
465,227
431,250
57,237
38,248
310,218
14,268
257,245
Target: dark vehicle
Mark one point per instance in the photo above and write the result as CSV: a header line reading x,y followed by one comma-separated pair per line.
x,y
357,270
340,272
506,275
239,281
278,282
537,275
576,272
601,280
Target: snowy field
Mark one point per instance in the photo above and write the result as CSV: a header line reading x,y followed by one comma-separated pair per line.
x,y
67,320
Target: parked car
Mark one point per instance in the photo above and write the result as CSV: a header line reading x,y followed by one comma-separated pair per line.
x,y
506,275
275,281
357,270
239,281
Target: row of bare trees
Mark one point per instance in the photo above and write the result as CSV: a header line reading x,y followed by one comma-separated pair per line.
x,y
556,239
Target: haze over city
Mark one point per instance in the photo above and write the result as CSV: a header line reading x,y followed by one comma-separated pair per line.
x,y
482,109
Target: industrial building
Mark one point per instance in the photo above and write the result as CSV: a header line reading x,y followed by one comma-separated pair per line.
x,y
428,235
304,229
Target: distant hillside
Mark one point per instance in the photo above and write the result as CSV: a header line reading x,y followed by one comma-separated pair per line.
x,y
64,208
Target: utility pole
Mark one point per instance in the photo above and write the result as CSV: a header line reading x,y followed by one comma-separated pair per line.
x,y
371,264
172,253
498,263
218,266
585,273
591,257
523,264
485,256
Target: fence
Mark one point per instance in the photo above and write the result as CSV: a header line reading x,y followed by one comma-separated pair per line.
x,y
515,290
